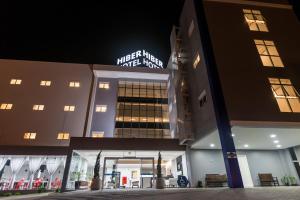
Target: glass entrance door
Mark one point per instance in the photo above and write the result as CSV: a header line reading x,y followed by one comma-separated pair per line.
x,y
133,172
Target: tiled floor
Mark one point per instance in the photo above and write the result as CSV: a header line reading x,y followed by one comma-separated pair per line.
x,y
274,193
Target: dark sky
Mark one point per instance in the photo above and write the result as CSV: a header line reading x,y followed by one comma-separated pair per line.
x,y
86,32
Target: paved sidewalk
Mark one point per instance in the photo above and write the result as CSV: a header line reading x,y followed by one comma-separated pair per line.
x,y
26,196
272,193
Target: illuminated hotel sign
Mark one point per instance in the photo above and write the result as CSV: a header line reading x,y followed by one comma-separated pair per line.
x,y
140,58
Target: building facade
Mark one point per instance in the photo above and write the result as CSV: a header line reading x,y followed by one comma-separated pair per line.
x,y
227,105
240,60
57,121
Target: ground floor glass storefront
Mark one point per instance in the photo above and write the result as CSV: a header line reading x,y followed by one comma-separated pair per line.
x,y
31,172
125,169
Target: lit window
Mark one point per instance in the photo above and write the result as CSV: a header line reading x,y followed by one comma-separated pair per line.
x,y
104,85
191,28
286,95
255,20
15,81
97,134
101,108
74,84
63,136
6,106
196,61
38,107
69,108
29,136
268,53
45,83
202,99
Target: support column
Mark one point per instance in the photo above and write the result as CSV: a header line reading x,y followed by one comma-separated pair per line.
x,y
66,170
223,124
188,165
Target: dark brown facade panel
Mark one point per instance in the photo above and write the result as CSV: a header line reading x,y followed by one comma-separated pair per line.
x,y
244,79
49,122
265,3
126,144
33,150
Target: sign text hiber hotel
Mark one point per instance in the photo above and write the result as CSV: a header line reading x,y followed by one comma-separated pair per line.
x,y
140,58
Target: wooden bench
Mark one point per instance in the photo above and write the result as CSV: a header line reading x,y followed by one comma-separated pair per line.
x,y
268,180
135,184
215,180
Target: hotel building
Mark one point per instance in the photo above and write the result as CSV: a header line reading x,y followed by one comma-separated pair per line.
x,y
238,63
227,103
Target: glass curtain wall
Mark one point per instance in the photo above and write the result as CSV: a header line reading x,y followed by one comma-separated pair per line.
x,y
142,110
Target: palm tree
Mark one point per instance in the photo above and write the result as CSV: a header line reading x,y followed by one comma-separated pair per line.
x,y
96,179
160,183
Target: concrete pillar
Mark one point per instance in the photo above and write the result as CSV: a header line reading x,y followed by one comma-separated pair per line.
x,y
66,170
222,119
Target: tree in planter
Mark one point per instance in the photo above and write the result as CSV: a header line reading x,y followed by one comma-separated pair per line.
x,y
95,185
160,183
77,180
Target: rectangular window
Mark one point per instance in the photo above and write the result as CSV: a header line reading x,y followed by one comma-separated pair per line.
x,y
202,99
45,83
63,136
191,28
98,134
6,106
101,108
255,20
15,81
75,84
104,85
268,53
196,61
29,136
38,107
69,108
286,95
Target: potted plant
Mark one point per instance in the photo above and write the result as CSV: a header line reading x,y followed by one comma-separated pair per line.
x,y
77,182
95,185
160,183
293,181
285,181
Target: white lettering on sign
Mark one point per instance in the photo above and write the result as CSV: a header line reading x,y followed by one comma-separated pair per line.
x,y
140,58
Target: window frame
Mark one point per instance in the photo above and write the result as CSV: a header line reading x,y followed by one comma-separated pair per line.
x,y
280,85
104,85
69,108
15,81
101,108
6,106
268,58
29,136
197,60
74,84
63,136
45,83
255,20
38,107
97,134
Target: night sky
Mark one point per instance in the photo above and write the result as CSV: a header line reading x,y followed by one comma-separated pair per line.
x,y
87,32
